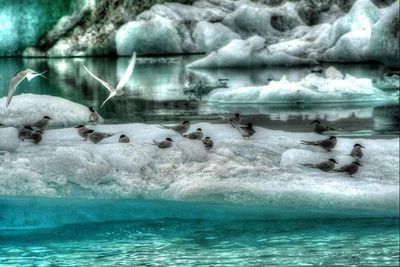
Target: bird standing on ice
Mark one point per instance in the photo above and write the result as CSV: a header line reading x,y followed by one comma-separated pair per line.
x,y
327,144
18,78
118,90
325,166
164,144
96,137
245,130
179,128
197,135
94,117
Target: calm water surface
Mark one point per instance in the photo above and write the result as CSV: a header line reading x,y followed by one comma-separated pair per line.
x,y
158,92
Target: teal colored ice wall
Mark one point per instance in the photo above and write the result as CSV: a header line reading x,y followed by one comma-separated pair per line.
x,y
23,22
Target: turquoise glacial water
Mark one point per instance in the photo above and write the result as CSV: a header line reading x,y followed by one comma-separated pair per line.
x,y
161,233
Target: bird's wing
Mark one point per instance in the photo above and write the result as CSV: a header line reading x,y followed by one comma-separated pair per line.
x,y
105,84
12,87
30,76
112,94
325,142
128,73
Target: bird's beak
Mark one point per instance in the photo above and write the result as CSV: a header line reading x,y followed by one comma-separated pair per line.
x,y
336,162
363,146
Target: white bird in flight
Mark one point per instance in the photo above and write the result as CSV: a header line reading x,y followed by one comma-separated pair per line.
x,y
118,90
18,78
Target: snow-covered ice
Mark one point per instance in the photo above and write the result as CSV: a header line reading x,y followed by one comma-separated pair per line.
x,y
263,170
312,89
28,108
9,139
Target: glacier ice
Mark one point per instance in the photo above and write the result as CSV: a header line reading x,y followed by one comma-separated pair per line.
x,y
212,36
263,170
156,36
28,108
311,89
249,52
384,42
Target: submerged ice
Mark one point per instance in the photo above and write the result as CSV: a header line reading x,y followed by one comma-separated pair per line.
x,y
263,170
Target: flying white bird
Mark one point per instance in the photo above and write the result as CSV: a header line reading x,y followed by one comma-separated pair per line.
x,y
17,79
118,90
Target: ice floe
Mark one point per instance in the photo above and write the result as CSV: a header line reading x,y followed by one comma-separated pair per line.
x,y
9,139
28,108
262,171
312,89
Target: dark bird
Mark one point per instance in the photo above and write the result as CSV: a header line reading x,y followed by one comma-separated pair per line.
x,y
94,117
83,131
96,137
351,168
124,139
245,130
197,135
319,128
208,143
325,166
179,128
42,123
164,144
327,144
356,152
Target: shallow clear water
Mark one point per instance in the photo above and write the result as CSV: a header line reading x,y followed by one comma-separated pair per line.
x,y
157,92
89,232
177,242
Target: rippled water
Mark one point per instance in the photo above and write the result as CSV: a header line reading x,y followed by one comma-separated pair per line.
x,y
156,93
173,242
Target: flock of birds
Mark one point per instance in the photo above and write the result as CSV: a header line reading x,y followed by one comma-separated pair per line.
x,y
34,131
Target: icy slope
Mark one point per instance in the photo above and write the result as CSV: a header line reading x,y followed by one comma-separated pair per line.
x,y
311,89
28,108
261,171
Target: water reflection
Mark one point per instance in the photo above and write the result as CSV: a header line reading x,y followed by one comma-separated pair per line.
x,y
161,89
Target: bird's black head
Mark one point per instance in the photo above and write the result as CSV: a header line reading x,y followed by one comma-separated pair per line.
x,y
91,109
237,115
333,160
359,145
186,122
315,121
122,136
47,117
356,163
332,137
28,127
207,138
169,139
199,129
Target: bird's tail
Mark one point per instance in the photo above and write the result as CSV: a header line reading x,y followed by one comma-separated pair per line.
x,y
309,143
164,126
308,165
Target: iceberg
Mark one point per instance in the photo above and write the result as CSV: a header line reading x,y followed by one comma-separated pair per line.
x,y
156,36
261,171
28,108
249,52
212,36
311,89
